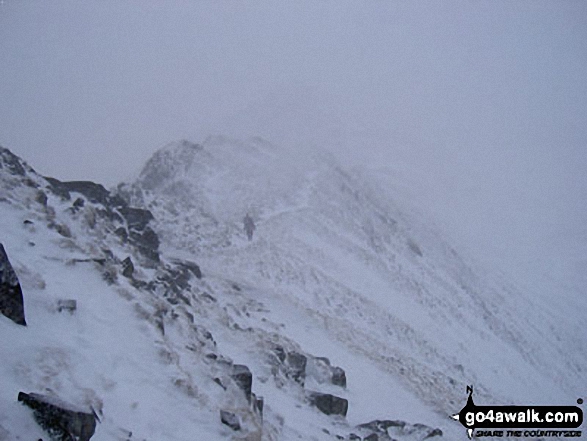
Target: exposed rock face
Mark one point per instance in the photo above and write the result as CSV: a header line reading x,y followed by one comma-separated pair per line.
x,y
62,421
297,367
329,404
11,162
230,419
116,210
243,378
127,267
338,376
11,301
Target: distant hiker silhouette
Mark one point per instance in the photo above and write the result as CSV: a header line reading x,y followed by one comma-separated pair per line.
x,y
249,226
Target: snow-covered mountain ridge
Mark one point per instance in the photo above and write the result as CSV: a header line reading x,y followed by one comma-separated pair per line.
x,y
336,269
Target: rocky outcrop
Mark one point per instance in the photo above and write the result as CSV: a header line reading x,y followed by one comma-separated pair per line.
x,y
61,420
296,367
135,221
328,404
243,377
11,162
230,419
381,430
127,267
11,301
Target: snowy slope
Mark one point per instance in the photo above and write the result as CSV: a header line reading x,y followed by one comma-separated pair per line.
x,y
337,268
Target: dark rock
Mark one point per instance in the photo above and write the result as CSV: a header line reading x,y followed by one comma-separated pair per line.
x,y
433,433
338,376
230,419
41,198
297,367
69,305
136,218
329,404
11,301
57,187
258,405
147,243
63,230
218,381
78,203
354,437
192,267
27,222
127,267
381,425
94,192
243,377
372,437
280,352
62,421
11,162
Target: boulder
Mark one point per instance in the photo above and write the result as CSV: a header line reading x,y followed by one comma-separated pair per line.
x,y
296,364
230,419
329,404
243,377
11,301
147,243
127,267
61,420
338,376
136,218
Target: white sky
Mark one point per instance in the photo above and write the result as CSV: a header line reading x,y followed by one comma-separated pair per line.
x,y
484,102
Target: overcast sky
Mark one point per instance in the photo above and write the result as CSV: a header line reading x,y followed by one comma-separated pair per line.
x,y
484,102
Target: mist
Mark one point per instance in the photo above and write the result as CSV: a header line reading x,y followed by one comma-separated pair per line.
x,y
479,107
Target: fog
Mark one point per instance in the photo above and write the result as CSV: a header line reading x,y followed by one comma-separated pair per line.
x,y
480,106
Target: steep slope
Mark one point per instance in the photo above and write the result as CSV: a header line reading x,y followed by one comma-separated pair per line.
x,y
343,303
145,342
376,277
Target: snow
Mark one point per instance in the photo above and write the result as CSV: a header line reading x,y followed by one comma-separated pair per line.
x,y
337,268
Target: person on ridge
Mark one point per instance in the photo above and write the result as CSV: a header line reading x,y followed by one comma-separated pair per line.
x,y
249,226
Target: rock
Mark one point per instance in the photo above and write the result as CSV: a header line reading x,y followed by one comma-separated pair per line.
x,y
122,233
191,267
243,377
63,230
127,267
41,198
258,405
78,203
338,376
11,162
388,429
147,243
280,352
62,421
136,218
329,404
69,305
230,419
433,433
11,301
354,437
372,437
382,425
297,367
